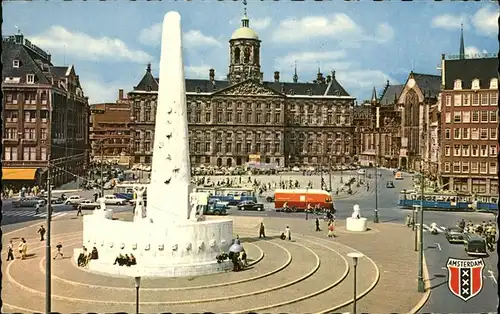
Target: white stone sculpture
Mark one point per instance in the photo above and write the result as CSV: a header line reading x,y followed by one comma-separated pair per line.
x,y
356,222
356,212
139,202
170,206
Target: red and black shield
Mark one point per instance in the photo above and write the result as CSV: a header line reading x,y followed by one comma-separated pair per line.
x,y
465,277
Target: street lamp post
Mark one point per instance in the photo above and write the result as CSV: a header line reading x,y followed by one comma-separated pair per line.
x,y
355,256
377,149
330,172
421,285
48,253
415,217
137,286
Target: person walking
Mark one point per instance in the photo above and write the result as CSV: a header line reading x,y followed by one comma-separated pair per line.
x,y
79,210
10,252
262,230
23,248
317,224
288,233
41,231
37,208
331,230
59,248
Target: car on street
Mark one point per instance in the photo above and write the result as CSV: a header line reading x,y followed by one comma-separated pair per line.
x,y
454,235
250,205
74,200
361,171
53,200
216,208
88,204
113,200
389,184
28,202
475,245
296,169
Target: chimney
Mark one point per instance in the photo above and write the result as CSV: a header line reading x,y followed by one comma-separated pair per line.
x,y
120,94
211,74
276,76
328,79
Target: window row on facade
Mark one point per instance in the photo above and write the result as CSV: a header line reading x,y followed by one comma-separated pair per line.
x,y
471,133
30,98
471,99
30,116
466,167
476,116
239,117
27,134
472,150
29,153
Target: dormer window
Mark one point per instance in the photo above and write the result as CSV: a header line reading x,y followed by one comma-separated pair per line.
x,y
457,84
475,84
310,92
494,83
198,89
30,78
15,63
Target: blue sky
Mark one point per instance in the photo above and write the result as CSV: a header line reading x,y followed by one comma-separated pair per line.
x,y
366,43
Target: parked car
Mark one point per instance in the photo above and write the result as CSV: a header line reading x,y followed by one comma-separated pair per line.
x,y
296,169
389,184
74,200
113,200
28,202
88,204
454,235
361,171
53,200
250,205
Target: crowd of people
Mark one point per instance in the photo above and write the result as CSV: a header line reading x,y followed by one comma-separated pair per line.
x,y
125,260
11,191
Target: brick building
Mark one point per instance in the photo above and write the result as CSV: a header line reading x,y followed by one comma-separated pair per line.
x,y
283,123
110,130
469,118
45,113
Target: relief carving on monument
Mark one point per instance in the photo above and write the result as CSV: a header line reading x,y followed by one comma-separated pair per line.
x,y
249,88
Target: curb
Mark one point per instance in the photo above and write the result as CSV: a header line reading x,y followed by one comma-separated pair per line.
x,y
427,292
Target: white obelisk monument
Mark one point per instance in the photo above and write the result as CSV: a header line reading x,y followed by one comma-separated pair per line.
x,y
168,192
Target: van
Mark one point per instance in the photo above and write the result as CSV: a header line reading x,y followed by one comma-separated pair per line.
x,y
475,245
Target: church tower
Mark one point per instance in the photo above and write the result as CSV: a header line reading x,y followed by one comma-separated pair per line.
x,y
244,53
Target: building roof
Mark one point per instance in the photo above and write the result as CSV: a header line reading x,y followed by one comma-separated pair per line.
x,y
428,83
391,93
244,33
59,71
333,88
15,51
467,70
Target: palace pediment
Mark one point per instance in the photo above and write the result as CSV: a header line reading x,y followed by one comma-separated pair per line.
x,y
248,88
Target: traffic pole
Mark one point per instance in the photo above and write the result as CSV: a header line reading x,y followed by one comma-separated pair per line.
x,y
48,253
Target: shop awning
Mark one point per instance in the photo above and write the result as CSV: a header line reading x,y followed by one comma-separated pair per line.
x,y
13,174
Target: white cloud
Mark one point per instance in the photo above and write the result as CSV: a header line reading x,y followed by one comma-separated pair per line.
x,y
83,46
260,24
471,50
194,38
197,71
486,20
338,26
363,79
151,35
327,61
449,21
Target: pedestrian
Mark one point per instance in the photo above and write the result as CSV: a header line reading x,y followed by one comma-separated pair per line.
x,y
79,210
288,233
262,230
41,231
331,229
317,224
10,252
59,248
408,220
37,208
23,248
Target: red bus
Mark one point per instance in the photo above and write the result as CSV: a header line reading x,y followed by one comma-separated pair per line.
x,y
300,198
